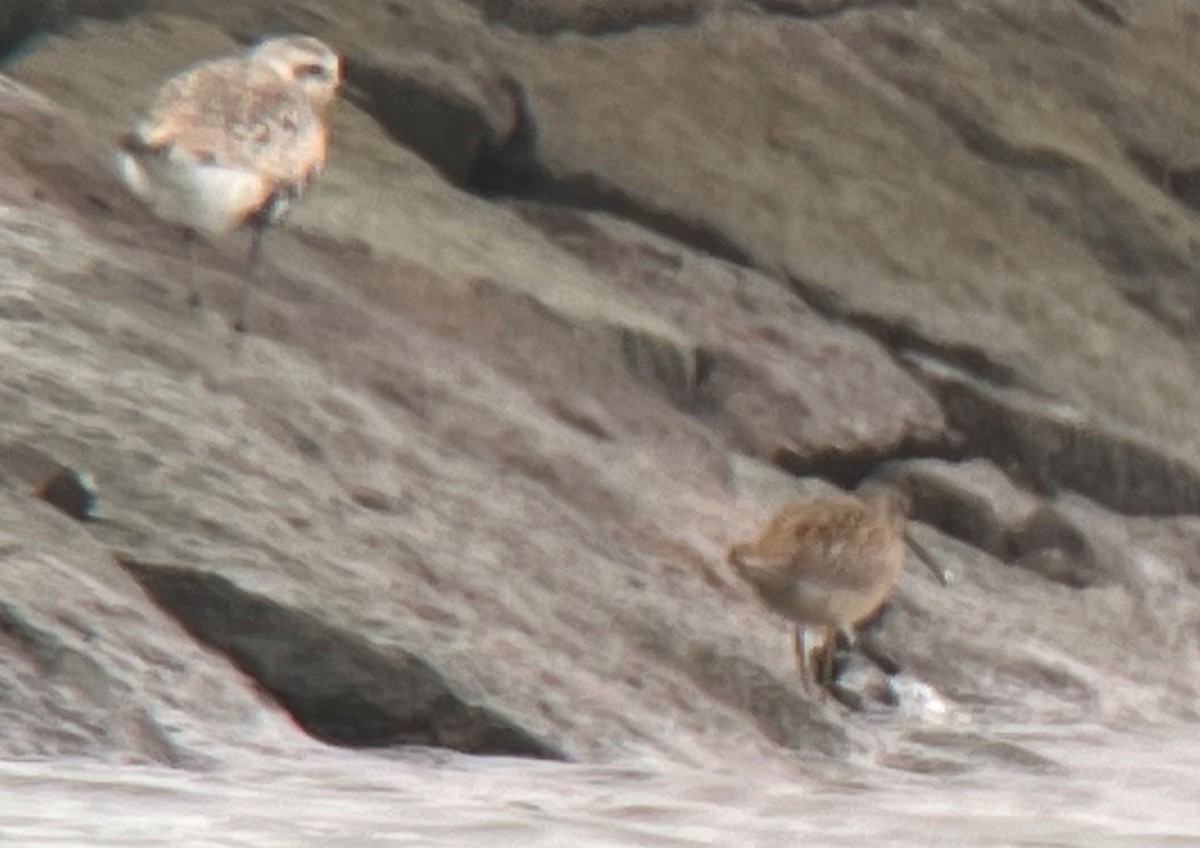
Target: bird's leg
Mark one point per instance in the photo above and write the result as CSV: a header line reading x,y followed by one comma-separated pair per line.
x,y
258,229
942,573
802,649
831,670
190,239
818,655
828,646
871,646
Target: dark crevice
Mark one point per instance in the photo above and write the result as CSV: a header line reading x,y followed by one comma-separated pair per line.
x,y
513,162
1102,10
336,685
992,147
977,504
449,132
902,338
71,493
22,20
814,10
1182,184
992,415
590,193
1049,449
1118,472
1152,274
456,136
848,469
599,18
683,374
39,646
1149,272
63,487
514,170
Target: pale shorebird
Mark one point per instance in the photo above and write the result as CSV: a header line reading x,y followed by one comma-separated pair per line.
x,y
232,141
828,563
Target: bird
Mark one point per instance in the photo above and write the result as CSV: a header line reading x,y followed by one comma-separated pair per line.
x,y
233,141
828,563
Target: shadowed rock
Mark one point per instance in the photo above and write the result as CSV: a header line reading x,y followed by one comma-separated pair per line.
x,y
1051,446
61,486
335,684
978,504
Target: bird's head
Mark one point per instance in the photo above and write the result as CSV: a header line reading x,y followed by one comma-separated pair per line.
x,y
306,61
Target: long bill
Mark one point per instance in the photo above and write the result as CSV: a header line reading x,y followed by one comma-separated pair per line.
x,y
943,574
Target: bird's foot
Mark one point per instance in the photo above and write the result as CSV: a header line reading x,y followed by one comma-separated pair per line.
x,y
845,696
872,648
831,660
863,687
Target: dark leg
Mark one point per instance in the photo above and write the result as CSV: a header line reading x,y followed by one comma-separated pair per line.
x,y
874,650
803,665
848,698
831,660
871,646
258,229
827,649
190,239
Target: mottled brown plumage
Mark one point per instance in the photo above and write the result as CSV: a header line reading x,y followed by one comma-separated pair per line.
x,y
827,563
234,140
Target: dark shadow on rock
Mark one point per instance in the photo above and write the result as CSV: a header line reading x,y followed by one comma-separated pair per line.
x,y
849,467
812,10
976,503
70,492
682,373
335,684
64,488
23,19
1183,184
900,337
602,17
1152,273
1103,10
515,169
445,129
1049,448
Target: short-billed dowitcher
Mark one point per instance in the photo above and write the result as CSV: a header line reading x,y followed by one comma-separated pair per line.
x,y
828,563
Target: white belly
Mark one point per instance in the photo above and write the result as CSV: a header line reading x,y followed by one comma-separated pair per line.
x,y
213,199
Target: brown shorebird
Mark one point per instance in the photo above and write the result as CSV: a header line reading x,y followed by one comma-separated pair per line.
x,y
232,141
829,563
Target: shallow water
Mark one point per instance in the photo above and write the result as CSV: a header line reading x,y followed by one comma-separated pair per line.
x,y
1102,789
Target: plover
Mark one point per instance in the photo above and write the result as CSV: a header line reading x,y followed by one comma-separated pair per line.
x,y
231,142
828,563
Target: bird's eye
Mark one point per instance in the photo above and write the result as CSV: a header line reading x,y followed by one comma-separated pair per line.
x,y
313,70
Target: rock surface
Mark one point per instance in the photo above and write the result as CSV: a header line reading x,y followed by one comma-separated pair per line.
x,y
582,282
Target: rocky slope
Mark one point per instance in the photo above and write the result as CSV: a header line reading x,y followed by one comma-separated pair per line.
x,y
587,289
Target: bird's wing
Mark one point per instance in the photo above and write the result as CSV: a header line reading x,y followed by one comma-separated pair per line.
x,y
817,541
229,113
